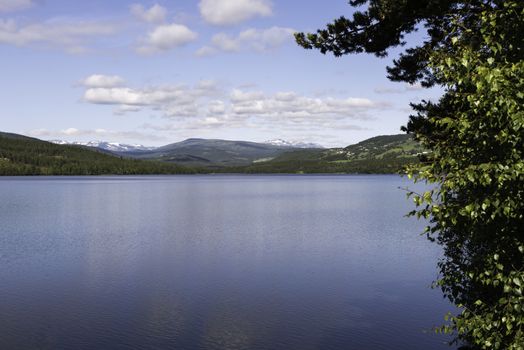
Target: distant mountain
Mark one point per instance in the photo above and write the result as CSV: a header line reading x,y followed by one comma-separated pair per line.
x,y
22,155
293,144
108,146
213,152
381,154
201,152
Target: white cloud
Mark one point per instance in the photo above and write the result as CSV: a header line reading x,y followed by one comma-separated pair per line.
x,y
71,131
155,14
166,37
179,100
262,40
228,12
216,107
137,97
69,35
124,109
399,90
100,133
104,81
251,39
239,96
207,106
224,42
297,108
15,5
206,51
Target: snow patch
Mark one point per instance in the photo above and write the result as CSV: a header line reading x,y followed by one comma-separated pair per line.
x,y
295,144
108,146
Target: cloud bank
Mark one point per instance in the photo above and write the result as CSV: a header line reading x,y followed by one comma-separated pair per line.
x,y
72,36
206,105
95,133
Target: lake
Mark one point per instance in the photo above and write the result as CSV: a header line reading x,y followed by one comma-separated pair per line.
x,y
215,262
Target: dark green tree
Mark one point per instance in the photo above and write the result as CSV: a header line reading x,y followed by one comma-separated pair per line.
x,y
474,50
21,155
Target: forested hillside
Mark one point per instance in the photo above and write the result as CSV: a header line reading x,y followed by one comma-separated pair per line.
x,y
378,155
21,155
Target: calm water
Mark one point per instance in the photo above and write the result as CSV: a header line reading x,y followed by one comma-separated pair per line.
x,y
214,262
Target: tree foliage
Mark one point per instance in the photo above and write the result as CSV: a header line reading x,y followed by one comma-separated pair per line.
x,y
475,133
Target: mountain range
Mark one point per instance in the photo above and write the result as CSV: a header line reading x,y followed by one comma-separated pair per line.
x,y
213,152
124,147
202,152
382,154
108,146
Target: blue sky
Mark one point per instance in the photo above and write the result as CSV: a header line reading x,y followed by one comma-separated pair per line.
x,y
156,72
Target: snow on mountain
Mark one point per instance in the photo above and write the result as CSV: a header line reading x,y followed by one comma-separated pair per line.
x,y
122,147
296,144
109,146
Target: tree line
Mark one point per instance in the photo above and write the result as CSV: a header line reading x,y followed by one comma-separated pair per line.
x,y
25,156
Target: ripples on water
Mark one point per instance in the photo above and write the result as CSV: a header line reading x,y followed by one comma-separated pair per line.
x,y
214,262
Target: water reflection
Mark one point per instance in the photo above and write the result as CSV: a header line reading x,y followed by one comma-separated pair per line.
x,y
227,262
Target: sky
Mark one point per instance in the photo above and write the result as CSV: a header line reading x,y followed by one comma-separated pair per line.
x,y
157,72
